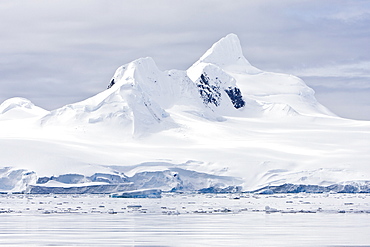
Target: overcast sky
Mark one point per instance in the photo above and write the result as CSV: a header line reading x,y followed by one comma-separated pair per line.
x,y
63,51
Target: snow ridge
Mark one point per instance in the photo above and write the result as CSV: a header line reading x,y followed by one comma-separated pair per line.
x,y
219,84
227,54
18,108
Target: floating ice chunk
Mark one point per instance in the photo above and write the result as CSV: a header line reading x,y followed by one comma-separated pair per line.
x,y
270,210
152,193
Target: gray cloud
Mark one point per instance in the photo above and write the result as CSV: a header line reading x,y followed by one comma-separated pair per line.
x,y
59,52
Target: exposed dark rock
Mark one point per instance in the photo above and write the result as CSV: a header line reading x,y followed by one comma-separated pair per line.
x,y
209,93
112,82
235,96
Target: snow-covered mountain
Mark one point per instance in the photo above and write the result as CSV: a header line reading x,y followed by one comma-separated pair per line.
x,y
222,125
20,108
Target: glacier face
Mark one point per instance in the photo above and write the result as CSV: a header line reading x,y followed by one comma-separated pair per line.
x,y
219,126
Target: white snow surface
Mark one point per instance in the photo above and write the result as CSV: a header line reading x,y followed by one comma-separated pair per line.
x,y
222,117
20,108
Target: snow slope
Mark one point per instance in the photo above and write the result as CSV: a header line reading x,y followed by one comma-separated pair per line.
x,y
222,125
20,108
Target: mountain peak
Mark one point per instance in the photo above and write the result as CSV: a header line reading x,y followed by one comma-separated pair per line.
x,y
227,53
18,107
224,51
138,67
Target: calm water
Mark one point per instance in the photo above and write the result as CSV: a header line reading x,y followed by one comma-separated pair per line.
x,y
186,220
245,229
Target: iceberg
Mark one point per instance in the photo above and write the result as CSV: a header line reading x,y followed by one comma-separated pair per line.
x,y
149,193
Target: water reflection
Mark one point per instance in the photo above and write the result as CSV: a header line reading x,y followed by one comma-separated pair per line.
x,y
244,229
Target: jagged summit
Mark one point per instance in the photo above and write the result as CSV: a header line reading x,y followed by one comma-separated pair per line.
x,y
225,66
144,77
227,54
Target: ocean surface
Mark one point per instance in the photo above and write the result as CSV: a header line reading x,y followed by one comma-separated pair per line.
x,y
185,220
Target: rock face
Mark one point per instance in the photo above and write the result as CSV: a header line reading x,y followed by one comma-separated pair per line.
x,y
220,126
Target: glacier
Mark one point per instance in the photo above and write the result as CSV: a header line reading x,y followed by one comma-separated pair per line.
x,y
221,126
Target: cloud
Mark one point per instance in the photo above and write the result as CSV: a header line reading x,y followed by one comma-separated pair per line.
x,y
351,75
353,104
